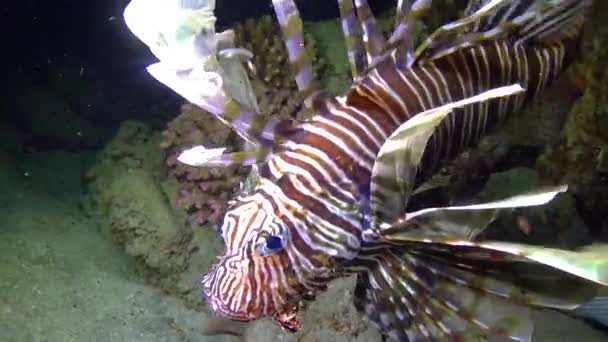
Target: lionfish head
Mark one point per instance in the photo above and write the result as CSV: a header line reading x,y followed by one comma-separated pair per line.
x,y
261,273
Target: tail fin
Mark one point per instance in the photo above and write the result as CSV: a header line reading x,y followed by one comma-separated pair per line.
x,y
519,21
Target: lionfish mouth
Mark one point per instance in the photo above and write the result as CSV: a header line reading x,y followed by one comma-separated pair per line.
x,y
287,318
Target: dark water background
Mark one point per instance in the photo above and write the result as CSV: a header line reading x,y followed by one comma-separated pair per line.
x,y
43,38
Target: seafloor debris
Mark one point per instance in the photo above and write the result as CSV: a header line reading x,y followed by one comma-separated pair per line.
x,y
203,192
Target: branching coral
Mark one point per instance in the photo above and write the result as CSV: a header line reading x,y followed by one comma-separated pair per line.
x,y
273,81
203,192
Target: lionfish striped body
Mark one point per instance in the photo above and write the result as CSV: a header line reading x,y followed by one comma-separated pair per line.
x,y
314,215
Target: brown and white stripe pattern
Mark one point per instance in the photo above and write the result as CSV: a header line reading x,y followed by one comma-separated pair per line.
x,y
316,187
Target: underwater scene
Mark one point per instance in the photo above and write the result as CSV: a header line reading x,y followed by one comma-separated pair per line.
x,y
304,170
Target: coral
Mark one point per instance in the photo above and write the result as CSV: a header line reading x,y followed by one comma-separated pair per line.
x,y
331,48
123,192
129,193
273,82
203,192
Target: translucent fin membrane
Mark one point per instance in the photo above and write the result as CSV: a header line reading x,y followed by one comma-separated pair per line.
x,y
397,162
458,27
541,21
596,309
205,90
203,67
464,222
412,297
456,290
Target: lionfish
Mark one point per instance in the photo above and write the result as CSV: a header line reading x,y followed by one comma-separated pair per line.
x,y
331,194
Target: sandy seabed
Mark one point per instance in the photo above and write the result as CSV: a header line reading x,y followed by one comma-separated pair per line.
x,y
62,280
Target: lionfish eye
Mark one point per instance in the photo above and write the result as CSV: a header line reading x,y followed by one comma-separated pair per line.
x,y
268,245
273,242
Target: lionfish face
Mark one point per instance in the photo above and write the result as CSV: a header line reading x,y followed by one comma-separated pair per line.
x,y
259,274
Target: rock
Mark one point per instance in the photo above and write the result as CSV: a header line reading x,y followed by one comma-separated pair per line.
x,y
141,220
131,196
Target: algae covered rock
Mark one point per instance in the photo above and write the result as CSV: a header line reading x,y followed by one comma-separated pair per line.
x,y
579,157
147,227
130,195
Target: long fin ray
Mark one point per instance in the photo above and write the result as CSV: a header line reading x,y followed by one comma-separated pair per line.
x,y
372,37
406,296
589,262
202,157
527,284
439,292
436,228
447,32
462,222
293,34
397,161
353,36
519,22
408,19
